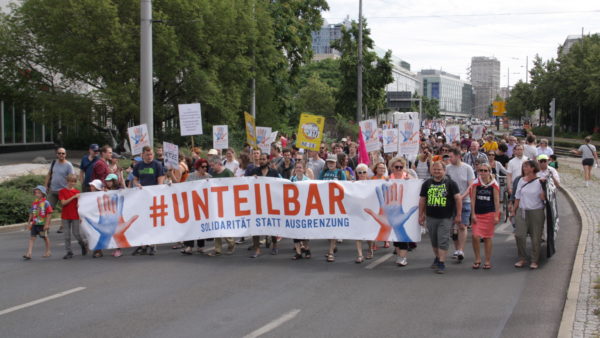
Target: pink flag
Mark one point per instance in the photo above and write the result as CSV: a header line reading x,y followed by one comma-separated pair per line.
x,y
363,154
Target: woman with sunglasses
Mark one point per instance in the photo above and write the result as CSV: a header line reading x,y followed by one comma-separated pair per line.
x,y
497,167
201,172
422,163
399,171
485,194
362,174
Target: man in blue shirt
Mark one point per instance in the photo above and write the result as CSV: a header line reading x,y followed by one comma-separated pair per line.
x,y
87,166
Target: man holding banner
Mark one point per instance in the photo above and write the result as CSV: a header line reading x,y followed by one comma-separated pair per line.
x,y
145,173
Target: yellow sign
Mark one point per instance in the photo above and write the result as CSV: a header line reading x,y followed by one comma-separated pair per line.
x,y
310,132
499,108
250,129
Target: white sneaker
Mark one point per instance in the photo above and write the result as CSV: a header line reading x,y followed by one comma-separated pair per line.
x,y
401,261
455,254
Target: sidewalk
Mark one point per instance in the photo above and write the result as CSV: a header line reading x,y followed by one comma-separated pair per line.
x,y
579,318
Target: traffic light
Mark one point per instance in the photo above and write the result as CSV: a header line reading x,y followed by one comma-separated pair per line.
x,y
552,108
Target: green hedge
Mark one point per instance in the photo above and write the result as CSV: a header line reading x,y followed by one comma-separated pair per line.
x,y
15,204
16,197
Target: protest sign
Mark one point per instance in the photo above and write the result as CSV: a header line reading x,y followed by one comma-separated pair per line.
x,y
370,134
138,138
171,155
390,140
310,132
250,129
242,207
190,119
477,132
220,137
408,131
452,133
272,137
262,139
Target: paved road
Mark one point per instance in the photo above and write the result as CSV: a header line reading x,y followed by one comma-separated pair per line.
x,y
200,296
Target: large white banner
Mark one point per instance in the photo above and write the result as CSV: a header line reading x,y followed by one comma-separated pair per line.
x,y
242,207
190,119
138,138
220,137
390,140
409,138
370,134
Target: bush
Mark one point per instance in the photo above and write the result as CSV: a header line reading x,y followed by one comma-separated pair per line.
x,y
15,204
24,183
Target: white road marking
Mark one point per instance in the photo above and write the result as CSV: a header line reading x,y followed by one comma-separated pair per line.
x,y
41,300
378,261
273,324
509,238
504,227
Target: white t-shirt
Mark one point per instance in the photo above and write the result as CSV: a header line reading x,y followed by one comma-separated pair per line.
x,y
422,169
586,152
463,175
514,167
529,195
530,151
549,172
232,166
546,151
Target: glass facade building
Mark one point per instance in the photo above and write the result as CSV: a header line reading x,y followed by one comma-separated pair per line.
x,y
454,95
17,127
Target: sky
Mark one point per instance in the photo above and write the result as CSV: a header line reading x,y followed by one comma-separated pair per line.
x,y
445,34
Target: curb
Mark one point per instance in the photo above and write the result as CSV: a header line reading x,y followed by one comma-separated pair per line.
x,y
21,226
565,329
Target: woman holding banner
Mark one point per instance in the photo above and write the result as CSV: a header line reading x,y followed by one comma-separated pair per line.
x,y
401,172
361,175
300,245
332,172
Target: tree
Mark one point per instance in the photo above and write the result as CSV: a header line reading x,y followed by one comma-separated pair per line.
x,y
377,73
204,51
430,106
520,104
316,97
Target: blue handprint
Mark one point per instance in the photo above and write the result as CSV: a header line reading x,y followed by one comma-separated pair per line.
x,y
391,214
111,221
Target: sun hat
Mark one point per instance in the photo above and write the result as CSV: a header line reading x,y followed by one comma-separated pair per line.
x,y
41,188
97,184
111,177
331,158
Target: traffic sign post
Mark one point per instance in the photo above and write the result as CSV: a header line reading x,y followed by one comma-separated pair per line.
x,y
553,117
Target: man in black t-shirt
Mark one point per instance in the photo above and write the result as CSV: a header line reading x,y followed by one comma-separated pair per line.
x,y
440,202
145,173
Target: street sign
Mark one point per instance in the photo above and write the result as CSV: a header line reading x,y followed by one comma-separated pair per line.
x,y
499,108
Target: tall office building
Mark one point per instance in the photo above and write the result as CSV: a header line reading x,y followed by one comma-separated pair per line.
x,y
485,78
455,96
321,40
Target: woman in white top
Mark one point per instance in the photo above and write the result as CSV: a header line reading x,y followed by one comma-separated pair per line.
x,y
422,163
230,162
362,174
244,161
530,214
588,155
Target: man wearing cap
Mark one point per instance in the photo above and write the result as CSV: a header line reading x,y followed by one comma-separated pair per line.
x,y
87,167
547,171
211,154
101,169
